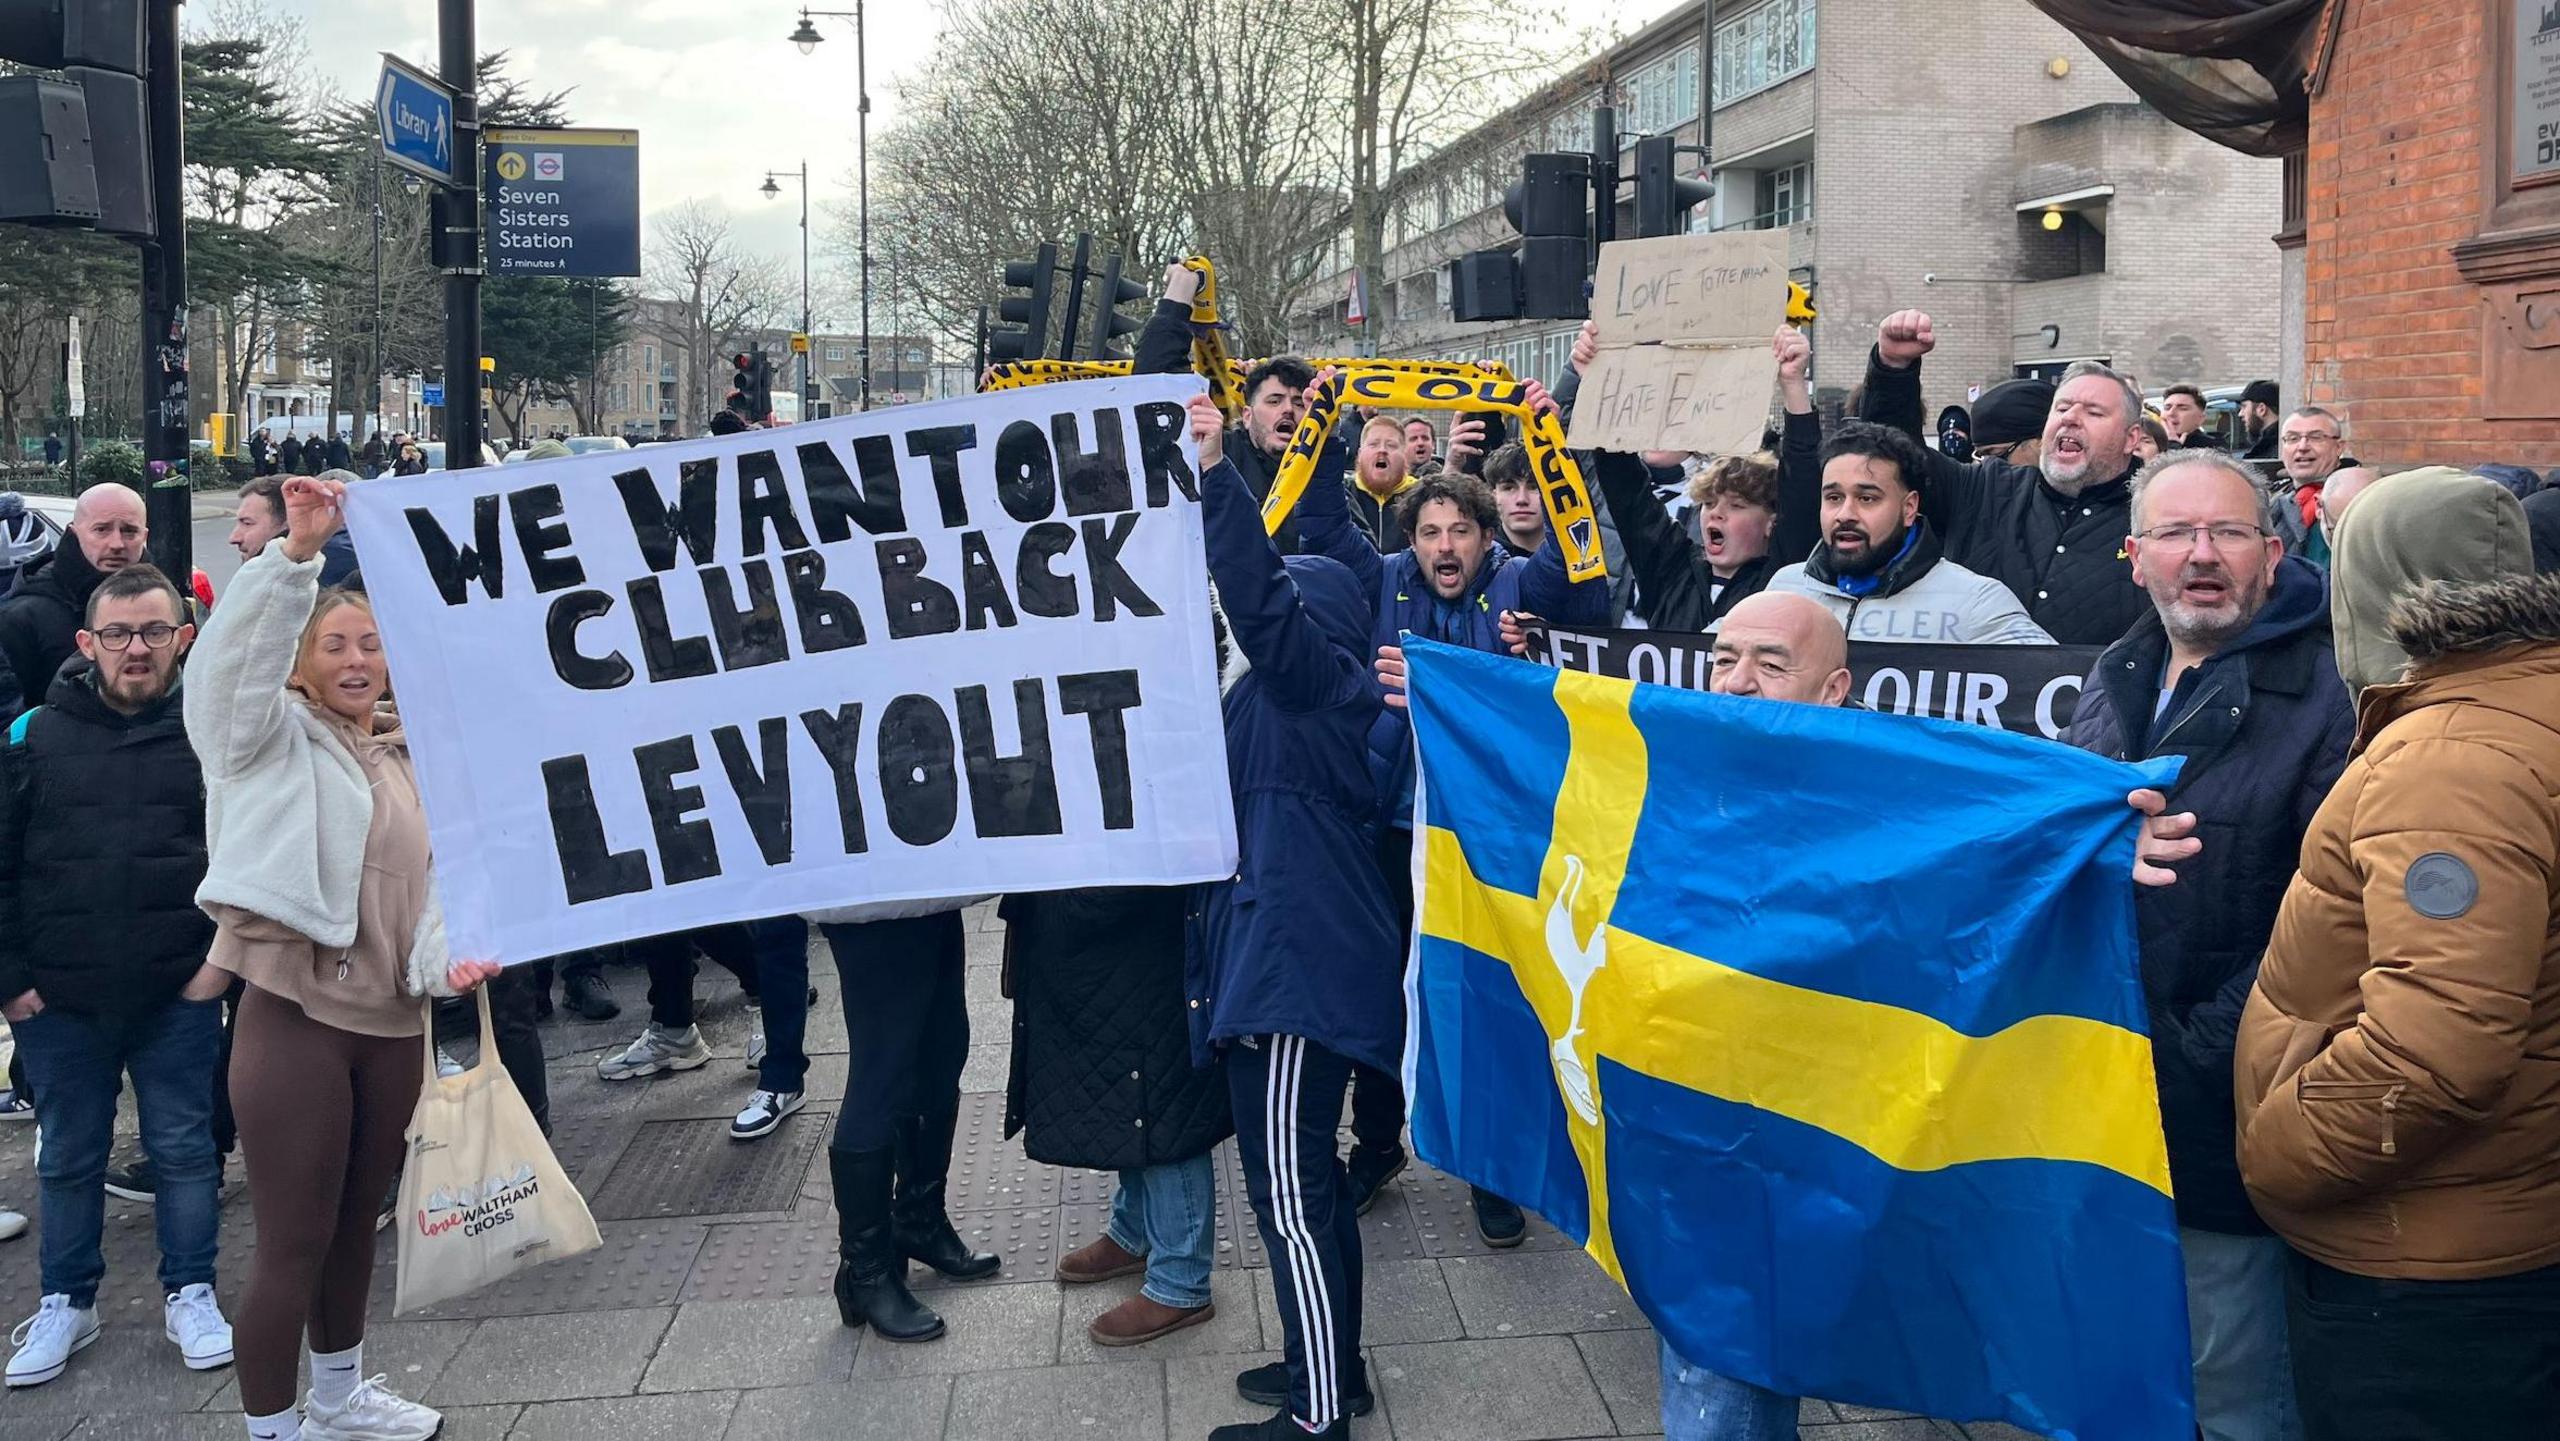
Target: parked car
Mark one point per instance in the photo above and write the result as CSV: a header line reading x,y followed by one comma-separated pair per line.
x,y
433,450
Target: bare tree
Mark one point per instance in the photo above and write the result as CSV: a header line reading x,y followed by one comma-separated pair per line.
x,y
723,296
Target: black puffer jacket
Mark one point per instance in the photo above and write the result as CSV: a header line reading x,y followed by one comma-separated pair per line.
x,y
40,618
101,850
2265,726
2062,555
1102,1074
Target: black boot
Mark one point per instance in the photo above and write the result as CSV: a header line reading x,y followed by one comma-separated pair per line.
x,y
922,1220
871,1281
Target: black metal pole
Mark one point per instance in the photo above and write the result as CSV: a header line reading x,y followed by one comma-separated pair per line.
x,y
862,161
808,336
458,216
373,377
164,305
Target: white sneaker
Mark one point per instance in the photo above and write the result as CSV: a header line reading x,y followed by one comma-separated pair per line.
x,y
765,1110
373,1413
46,1340
658,1049
195,1323
13,1224
755,1038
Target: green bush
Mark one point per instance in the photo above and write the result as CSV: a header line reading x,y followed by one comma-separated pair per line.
x,y
111,460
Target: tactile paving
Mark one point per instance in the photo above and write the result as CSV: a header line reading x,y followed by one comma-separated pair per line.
x,y
764,1261
1445,1219
641,1263
693,1168
1026,1239
990,1173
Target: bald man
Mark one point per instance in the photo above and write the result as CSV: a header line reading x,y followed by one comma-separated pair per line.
x,y
2342,487
42,616
1782,646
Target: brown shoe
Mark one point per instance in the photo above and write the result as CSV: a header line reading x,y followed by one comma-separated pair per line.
x,y
1139,1320
1099,1261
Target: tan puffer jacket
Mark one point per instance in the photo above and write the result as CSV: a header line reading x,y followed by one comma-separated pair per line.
x,y
2398,1067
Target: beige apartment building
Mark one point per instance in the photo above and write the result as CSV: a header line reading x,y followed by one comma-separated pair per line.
x,y
1967,157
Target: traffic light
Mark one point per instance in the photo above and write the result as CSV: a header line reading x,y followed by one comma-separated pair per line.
x,y
752,392
1108,323
1663,197
75,150
1550,209
1036,279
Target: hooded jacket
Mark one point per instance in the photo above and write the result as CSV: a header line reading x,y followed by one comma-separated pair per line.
x,y
1375,514
287,807
2542,519
2263,725
1918,596
101,849
2062,555
41,617
1303,941
2398,1065
2421,525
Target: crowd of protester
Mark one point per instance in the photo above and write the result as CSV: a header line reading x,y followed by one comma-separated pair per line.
x,y
215,880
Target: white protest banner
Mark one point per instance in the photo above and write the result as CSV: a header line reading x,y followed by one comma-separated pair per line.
x,y
1683,328
935,650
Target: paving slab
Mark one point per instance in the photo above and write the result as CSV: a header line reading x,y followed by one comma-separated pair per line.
x,y
682,1416
128,1368
1536,1293
1061,1403
541,1358
1236,1328
907,1408
1400,1302
991,1326
1627,1367
1909,1428
1438,1391
467,1423
728,1345
412,1354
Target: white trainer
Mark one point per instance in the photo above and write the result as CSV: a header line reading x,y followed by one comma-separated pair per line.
x,y
374,1413
195,1323
13,1224
47,1339
658,1049
764,1111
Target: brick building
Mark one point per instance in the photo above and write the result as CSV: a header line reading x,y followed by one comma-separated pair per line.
x,y
2429,230
1968,157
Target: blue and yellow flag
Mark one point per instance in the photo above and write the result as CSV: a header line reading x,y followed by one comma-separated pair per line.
x,y
1820,1029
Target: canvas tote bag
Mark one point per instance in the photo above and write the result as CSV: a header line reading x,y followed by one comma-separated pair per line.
x,y
482,1197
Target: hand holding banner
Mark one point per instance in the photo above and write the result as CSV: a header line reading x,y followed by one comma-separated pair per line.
x,y
1684,360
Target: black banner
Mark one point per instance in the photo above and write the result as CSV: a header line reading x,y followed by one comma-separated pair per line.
x,y
2029,689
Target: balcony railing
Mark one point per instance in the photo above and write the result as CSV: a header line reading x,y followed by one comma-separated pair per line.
x,y
1772,219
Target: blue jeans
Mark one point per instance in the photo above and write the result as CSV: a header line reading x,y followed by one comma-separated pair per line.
x,y
1700,1405
2236,1331
1168,1213
78,1063
782,979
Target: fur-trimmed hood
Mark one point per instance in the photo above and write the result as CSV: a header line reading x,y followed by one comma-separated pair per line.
x,y
2436,524
2443,618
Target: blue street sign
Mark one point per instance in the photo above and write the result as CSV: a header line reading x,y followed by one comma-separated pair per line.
x,y
562,202
431,394
414,113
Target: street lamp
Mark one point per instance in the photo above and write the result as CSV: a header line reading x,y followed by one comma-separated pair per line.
x,y
806,37
808,357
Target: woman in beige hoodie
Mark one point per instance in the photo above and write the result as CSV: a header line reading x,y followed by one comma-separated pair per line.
x,y
320,885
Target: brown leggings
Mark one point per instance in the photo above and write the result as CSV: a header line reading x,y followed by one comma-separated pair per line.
x,y
322,1112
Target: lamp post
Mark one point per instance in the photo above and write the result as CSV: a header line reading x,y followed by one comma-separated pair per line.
x,y
806,37
808,357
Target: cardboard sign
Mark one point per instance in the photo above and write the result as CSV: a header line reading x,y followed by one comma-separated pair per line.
x,y
1684,324
942,650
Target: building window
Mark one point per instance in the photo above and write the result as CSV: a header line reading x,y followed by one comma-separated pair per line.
x,y
1761,47
1663,94
835,355
915,357
648,357
1783,197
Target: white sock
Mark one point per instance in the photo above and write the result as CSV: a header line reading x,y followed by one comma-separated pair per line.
x,y
285,1425
334,1377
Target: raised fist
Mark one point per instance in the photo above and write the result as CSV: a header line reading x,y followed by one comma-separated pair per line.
x,y
1793,351
1905,336
1181,283
1586,346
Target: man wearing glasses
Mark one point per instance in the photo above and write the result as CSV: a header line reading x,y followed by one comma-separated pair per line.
x,y
102,974
2232,669
2312,447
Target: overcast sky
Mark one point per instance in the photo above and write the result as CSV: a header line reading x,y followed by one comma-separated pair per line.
x,y
715,89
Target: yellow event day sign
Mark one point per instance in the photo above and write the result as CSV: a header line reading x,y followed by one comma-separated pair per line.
x,y
1437,385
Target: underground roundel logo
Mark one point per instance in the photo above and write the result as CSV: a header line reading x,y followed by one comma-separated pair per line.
x,y
2441,886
